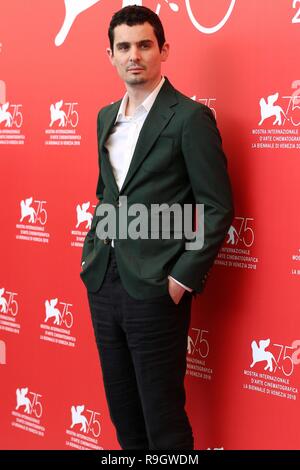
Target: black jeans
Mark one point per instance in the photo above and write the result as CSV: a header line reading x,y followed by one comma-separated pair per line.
x,y
142,347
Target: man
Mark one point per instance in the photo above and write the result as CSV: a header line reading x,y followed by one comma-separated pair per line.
x,y
156,146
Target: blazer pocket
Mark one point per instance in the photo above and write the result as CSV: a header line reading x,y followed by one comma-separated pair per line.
x,y
156,254
160,156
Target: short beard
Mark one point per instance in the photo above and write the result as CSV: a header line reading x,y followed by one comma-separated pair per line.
x,y
136,81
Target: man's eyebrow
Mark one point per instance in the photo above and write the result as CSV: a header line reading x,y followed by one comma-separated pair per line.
x,y
126,43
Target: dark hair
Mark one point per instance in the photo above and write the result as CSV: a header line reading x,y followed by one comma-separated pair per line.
x,y
135,14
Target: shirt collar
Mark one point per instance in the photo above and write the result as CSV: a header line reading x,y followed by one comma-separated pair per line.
x,y
144,106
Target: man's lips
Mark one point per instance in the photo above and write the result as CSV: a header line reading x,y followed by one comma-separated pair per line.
x,y
135,69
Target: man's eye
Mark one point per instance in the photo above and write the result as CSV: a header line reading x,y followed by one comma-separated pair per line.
x,y
124,47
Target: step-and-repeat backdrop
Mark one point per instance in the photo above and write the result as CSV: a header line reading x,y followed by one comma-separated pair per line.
x,y
239,57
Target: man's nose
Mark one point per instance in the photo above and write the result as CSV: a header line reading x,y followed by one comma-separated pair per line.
x,y
134,53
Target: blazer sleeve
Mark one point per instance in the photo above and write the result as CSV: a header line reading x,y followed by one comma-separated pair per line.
x,y
89,239
206,165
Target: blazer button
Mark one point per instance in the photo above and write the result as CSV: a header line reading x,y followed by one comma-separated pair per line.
x,y
106,241
118,203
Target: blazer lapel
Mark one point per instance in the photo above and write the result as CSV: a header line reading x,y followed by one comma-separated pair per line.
x,y
158,117
108,125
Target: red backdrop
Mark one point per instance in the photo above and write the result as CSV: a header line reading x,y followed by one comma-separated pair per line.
x,y
242,375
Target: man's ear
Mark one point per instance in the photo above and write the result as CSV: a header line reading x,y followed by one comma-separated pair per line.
x,y
110,55
165,51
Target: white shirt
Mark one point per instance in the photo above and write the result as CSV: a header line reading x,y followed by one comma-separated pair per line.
x,y
123,138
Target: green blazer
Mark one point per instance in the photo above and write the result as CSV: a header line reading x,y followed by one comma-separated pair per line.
x,y
178,158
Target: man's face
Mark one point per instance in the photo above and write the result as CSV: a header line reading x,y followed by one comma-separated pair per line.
x,y
136,54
